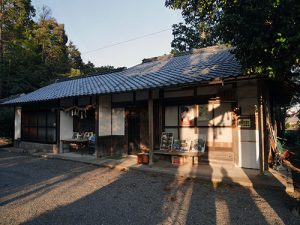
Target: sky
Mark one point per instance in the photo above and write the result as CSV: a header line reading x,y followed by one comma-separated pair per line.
x,y
94,24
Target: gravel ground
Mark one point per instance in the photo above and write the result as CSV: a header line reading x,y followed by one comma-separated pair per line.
x,y
47,191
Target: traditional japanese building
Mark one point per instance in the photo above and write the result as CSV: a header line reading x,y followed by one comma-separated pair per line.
x,y
196,99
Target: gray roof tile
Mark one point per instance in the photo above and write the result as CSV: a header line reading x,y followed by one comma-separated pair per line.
x,y
200,65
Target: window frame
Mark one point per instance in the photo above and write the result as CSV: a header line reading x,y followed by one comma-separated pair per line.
x,y
195,124
46,139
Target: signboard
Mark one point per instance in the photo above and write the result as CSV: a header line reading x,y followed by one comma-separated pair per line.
x,y
199,143
166,141
104,115
182,145
118,121
245,123
186,115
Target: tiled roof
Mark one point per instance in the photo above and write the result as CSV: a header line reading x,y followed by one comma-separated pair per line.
x,y
200,65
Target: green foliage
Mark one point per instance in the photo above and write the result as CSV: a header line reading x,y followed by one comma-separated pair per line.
x,y
265,34
199,27
34,51
74,57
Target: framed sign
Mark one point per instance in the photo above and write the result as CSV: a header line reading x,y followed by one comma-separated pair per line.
x,y
166,141
186,115
245,123
118,121
182,145
203,114
199,143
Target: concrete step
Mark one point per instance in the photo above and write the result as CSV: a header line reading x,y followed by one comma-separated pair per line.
x,y
218,156
216,162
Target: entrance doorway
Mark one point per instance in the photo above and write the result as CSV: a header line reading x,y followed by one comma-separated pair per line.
x,y
133,134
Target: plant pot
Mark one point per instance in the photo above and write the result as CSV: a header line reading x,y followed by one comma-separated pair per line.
x,y
140,158
145,158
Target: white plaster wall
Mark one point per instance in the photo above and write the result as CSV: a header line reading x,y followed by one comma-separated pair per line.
x,y
18,123
105,115
65,127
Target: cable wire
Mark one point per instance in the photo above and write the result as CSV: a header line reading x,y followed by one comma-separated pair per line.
x,y
122,42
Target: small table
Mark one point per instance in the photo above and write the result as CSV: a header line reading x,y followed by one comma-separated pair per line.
x,y
82,143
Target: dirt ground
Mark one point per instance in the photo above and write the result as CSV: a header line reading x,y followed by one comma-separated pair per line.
x,y
48,191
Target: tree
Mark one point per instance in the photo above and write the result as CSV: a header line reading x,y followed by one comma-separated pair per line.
x,y
51,40
34,53
198,29
15,29
74,56
90,68
265,34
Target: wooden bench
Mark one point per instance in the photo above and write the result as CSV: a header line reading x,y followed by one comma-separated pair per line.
x,y
178,153
81,143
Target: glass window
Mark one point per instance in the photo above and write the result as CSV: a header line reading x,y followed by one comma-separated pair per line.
x,y
32,132
42,134
174,131
51,119
42,119
38,126
171,116
32,119
213,121
25,119
51,134
222,114
187,133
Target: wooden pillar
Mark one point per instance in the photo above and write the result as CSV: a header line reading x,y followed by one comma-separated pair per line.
x,y
160,113
150,127
97,151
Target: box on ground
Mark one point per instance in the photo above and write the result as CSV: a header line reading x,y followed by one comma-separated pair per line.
x,y
143,158
177,160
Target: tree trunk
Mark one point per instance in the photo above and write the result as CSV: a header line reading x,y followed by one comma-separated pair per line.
x,y
1,33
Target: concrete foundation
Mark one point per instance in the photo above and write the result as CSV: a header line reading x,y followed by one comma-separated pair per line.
x,y
33,147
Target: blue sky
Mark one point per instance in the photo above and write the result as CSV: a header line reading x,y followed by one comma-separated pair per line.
x,y
93,24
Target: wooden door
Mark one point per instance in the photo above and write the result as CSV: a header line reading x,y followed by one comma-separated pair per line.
x,y
133,134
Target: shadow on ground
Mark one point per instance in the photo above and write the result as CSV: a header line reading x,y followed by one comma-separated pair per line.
x,y
86,194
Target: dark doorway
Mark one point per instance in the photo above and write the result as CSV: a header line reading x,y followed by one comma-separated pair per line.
x,y
133,134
